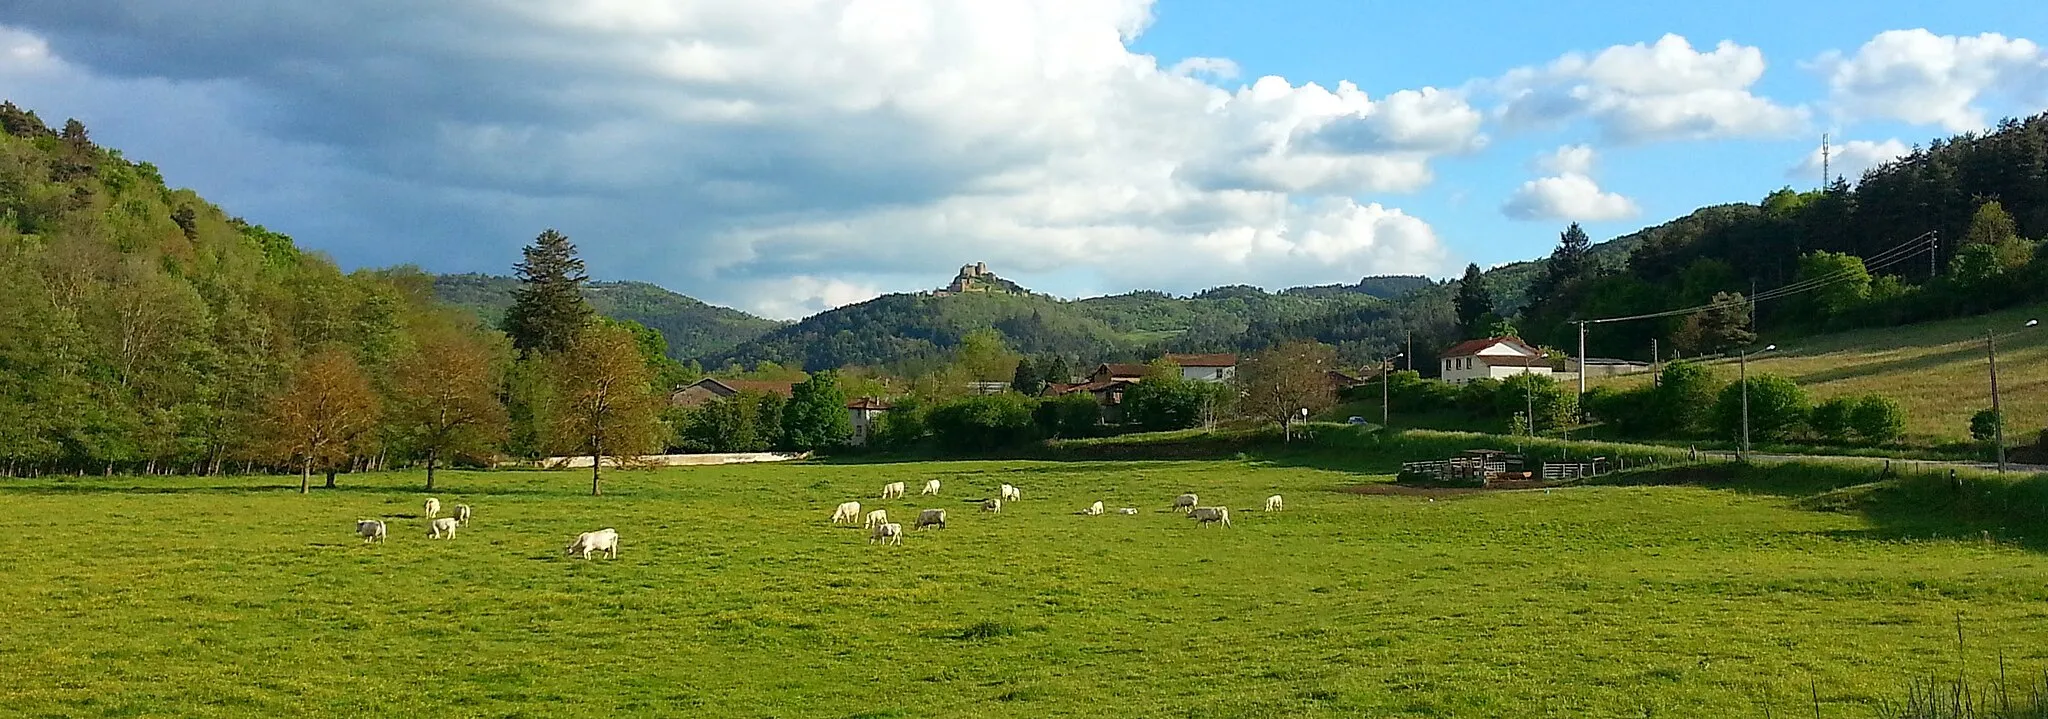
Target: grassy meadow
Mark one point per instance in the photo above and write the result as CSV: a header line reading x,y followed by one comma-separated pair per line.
x,y
732,596
1937,370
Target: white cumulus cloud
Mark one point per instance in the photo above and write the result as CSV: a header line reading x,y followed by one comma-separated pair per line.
x,y
1571,194
1646,93
1928,79
785,156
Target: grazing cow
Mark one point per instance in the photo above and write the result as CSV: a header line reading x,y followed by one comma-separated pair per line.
x,y
878,516
604,540
890,533
433,507
1206,515
847,512
1128,510
1274,503
372,530
1186,501
931,518
1012,494
462,514
892,490
992,505
1093,509
443,528
931,486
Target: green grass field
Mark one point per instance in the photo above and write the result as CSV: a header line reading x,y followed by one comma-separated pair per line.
x,y
733,597
1938,370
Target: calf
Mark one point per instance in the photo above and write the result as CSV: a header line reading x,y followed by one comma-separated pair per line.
x,y
892,490
372,530
1274,503
1012,494
433,507
930,487
846,512
992,505
1093,509
1207,515
890,533
443,528
878,516
1186,501
604,540
462,514
931,518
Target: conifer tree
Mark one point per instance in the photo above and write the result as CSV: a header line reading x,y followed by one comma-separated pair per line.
x,y
1474,301
548,309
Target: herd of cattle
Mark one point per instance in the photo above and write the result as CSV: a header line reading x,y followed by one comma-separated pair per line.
x,y
880,529
604,540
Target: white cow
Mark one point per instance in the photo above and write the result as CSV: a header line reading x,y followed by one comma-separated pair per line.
x,y
1128,510
1012,494
433,507
931,486
372,530
443,528
1093,510
879,516
847,512
604,540
892,490
1206,515
1274,503
1186,501
992,505
890,533
462,514
931,518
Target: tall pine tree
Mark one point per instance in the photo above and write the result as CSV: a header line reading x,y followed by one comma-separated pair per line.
x,y
1570,261
548,309
1475,302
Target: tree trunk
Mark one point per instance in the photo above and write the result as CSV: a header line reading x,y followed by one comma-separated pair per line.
x,y
306,476
330,476
596,480
431,454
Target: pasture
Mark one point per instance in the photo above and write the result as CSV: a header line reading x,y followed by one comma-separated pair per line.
x,y
732,596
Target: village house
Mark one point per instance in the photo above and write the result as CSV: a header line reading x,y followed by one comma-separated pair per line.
x,y
1493,358
865,411
1205,367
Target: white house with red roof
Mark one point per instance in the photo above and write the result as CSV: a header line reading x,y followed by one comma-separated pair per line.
x,y
1493,357
1205,367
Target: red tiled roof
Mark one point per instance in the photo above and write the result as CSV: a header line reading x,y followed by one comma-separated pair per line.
x,y
1208,360
1123,370
870,404
1543,362
1469,348
1059,388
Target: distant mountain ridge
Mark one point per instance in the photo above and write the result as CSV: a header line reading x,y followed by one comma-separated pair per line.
x,y
693,329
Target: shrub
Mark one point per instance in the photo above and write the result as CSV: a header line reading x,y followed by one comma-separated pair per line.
x,y
1557,406
982,423
1165,402
1777,408
1830,419
1631,412
1685,398
1070,416
1477,396
1878,419
1984,425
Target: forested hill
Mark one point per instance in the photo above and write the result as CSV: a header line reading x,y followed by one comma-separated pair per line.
x,y
693,329
904,328
1983,197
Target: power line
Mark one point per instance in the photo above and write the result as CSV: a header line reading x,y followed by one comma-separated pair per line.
x,y
1900,253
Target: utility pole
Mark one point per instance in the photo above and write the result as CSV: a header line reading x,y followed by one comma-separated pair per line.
x,y
1582,362
1743,362
1825,178
1656,365
1410,353
1991,352
1386,407
1529,396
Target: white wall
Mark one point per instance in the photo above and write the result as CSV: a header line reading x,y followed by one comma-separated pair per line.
x,y
1208,374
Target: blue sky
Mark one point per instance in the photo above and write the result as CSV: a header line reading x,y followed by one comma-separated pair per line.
x,y
788,157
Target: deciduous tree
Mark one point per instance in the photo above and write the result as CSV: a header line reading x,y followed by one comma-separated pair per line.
x,y
447,397
816,416
323,412
1278,383
603,404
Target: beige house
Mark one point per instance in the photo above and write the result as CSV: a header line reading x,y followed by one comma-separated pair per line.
x,y
1205,367
1494,358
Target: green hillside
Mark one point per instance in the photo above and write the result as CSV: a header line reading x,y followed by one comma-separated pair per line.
x,y
693,329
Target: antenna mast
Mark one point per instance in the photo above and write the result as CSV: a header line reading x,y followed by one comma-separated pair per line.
x,y
1825,155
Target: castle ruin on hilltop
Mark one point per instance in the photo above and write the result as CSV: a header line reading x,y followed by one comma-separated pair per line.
x,y
977,278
